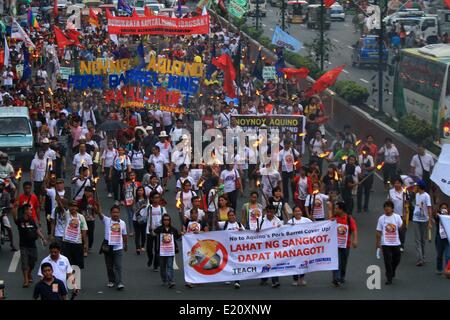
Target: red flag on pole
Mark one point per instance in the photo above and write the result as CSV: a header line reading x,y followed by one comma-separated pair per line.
x,y
148,12
299,73
61,40
225,63
325,81
108,14
55,8
93,18
134,14
329,3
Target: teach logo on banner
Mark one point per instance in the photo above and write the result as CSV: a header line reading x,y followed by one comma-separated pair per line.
x,y
244,255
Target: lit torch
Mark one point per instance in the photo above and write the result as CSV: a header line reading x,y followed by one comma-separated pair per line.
x,y
19,174
316,191
380,166
357,142
302,134
324,155
178,205
258,183
344,158
336,176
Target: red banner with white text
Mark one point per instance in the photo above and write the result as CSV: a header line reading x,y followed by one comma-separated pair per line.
x,y
156,25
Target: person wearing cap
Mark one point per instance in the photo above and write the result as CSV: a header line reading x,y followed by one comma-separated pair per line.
x,y
39,169
75,241
422,220
6,168
150,140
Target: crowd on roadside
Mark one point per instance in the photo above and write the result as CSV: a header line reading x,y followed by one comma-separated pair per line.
x,y
87,146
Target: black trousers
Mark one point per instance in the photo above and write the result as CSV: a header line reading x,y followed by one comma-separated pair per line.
x,y
389,172
90,233
232,197
286,177
117,184
392,256
74,252
139,234
364,190
339,275
152,251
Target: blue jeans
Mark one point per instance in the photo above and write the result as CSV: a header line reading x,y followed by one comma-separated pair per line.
x,y
442,252
130,214
166,271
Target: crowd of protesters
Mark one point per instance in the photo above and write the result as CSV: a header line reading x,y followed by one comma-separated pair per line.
x,y
141,170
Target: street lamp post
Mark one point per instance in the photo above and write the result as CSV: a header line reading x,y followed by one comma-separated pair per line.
x,y
383,7
283,15
257,14
322,15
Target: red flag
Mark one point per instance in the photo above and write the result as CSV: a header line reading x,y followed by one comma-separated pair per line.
x,y
61,40
108,14
134,14
93,18
329,3
74,35
225,63
447,3
299,73
148,12
325,81
55,8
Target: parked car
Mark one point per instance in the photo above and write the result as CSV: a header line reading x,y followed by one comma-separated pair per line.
x,y
366,51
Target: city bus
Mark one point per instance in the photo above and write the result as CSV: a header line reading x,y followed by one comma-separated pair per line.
x,y
422,86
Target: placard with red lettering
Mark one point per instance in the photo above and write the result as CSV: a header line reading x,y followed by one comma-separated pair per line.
x,y
241,255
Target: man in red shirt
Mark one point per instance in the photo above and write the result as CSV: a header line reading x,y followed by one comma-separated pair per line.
x,y
347,237
372,147
27,197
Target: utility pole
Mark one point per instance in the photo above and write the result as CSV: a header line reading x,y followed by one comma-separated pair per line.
x,y
322,16
257,14
383,7
283,15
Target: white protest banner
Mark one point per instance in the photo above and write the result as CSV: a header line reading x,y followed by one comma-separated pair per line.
x,y
242,255
445,223
441,171
269,73
66,72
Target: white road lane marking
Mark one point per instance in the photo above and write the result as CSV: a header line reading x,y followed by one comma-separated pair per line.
x,y
336,40
264,25
364,80
14,262
346,25
329,62
271,29
345,71
350,47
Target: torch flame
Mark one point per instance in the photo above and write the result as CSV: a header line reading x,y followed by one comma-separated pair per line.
x,y
404,189
257,92
178,205
316,191
323,155
201,183
381,165
258,183
19,174
344,158
357,142
302,134
96,180
336,176
50,91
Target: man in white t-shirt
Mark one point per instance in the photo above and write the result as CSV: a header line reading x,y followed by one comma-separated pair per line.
x,y
62,270
388,239
156,211
114,244
421,166
270,221
391,158
288,158
82,159
8,77
422,220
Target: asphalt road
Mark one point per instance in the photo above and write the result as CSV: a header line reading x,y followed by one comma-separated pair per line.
x,y
142,283
342,35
